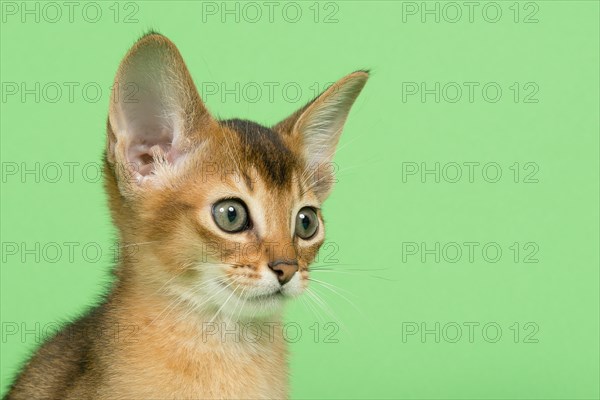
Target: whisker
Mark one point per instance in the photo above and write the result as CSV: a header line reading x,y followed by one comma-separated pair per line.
x,y
314,310
319,267
224,303
242,302
194,307
331,285
332,288
324,306
206,300
352,273
178,300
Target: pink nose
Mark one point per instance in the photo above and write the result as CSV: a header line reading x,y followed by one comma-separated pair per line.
x,y
284,269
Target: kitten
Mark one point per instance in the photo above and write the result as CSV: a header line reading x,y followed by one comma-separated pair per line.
x,y
225,217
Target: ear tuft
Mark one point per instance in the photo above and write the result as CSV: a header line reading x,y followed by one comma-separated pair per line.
x,y
151,32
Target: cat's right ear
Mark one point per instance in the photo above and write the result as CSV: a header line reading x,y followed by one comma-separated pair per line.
x,y
156,116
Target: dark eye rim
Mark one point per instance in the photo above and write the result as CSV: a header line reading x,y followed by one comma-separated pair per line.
x,y
318,227
245,227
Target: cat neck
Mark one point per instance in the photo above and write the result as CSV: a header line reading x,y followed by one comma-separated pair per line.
x,y
175,350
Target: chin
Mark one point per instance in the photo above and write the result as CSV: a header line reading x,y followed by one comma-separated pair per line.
x,y
262,307
220,302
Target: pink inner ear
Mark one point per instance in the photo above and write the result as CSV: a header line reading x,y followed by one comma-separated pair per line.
x,y
148,144
141,157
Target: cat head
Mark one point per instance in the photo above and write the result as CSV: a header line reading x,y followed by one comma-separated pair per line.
x,y
227,213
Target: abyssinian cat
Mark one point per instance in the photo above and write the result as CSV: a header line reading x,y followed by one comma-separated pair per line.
x,y
226,219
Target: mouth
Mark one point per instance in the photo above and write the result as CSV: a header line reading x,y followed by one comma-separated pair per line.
x,y
269,296
275,295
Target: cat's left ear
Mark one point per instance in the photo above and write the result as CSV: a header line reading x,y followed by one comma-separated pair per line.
x,y
316,129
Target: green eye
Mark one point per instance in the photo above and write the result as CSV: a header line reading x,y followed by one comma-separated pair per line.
x,y
230,215
307,223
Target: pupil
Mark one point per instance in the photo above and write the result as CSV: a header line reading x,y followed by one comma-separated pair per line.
x,y
305,221
231,214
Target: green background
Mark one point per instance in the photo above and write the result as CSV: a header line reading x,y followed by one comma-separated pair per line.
x,y
373,212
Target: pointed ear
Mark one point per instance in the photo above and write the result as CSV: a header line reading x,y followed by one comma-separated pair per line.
x,y
156,115
316,129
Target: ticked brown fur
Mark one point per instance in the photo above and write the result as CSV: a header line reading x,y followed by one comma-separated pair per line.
x,y
167,162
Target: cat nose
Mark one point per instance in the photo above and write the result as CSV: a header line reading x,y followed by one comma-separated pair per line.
x,y
284,269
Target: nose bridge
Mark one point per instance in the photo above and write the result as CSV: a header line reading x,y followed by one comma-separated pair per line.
x,y
277,242
280,249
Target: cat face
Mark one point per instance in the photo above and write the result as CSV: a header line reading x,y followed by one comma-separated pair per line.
x,y
226,214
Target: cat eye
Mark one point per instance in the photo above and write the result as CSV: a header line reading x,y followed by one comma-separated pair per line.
x,y
230,215
307,223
